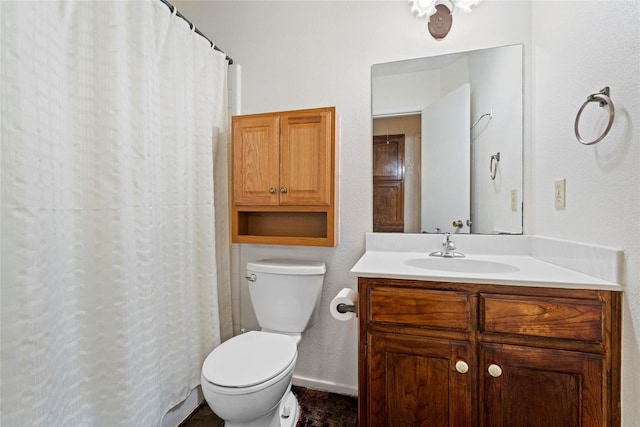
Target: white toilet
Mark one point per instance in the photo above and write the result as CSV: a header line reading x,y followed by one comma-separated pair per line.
x,y
247,380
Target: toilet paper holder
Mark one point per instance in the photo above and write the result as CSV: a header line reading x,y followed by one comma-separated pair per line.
x,y
345,304
346,308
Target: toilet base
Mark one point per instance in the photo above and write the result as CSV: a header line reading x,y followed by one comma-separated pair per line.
x,y
289,401
286,415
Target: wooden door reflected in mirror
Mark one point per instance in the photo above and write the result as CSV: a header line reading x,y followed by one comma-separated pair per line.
x,y
388,183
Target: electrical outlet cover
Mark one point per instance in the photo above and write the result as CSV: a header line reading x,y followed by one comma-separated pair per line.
x,y
559,194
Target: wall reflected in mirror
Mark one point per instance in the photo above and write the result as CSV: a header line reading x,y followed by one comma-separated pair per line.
x,y
447,143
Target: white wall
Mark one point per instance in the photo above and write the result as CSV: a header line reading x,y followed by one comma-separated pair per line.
x,y
310,54
578,48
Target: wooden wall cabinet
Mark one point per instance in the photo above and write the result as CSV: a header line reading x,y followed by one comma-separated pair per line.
x,y
284,178
449,354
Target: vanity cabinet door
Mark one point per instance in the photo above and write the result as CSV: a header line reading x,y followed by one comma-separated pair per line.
x,y
538,387
419,382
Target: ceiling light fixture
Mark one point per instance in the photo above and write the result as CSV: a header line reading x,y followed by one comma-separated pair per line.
x,y
439,13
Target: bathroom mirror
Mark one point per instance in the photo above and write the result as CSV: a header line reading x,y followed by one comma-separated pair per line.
x,y
447,143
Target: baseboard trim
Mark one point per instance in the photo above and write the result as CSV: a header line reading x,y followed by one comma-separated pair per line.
x,y
183,410
316,384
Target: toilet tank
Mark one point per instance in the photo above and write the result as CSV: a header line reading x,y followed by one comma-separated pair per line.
x,y
285,293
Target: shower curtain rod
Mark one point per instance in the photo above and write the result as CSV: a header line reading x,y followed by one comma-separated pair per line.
x,y
172,7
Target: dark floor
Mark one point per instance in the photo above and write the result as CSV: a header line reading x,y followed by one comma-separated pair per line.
x,y
317,409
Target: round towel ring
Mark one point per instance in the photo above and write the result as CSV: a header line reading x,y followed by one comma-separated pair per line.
x,y
603,99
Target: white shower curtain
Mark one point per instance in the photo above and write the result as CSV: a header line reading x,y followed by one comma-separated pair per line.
x,y
110,116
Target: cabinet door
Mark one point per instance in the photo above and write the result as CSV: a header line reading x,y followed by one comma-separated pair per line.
x,y
537,387
255,160
306,151
413,381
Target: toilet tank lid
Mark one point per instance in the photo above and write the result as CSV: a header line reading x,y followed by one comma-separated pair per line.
x,y
287,266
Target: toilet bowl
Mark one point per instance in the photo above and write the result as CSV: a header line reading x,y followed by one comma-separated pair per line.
x,y
247,380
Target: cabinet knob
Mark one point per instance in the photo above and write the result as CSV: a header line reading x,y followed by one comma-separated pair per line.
x,y
457,223
495,370
272,190
462,367
283,190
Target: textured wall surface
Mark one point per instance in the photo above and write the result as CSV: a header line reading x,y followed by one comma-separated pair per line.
x,y
307,54
573,58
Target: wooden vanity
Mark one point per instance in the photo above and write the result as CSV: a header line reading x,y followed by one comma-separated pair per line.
x,y
438,353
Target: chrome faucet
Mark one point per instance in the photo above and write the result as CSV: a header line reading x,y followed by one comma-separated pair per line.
x,y
448,248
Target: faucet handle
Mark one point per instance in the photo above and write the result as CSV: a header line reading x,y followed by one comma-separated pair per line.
x,y
446,238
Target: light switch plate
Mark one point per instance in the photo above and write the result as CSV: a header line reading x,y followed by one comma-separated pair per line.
x,y
560,193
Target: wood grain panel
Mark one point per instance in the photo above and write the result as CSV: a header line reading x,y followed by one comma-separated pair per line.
x,y
413,383
436,309
541,388
388,157
255,160
542,317
388,202
306,158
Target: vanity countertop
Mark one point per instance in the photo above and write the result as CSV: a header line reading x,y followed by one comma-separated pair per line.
x,y
523,268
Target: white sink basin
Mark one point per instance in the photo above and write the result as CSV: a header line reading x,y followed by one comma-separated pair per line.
x,y
461,265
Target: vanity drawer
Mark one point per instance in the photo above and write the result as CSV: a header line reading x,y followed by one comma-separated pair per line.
x,y
419,307
561,318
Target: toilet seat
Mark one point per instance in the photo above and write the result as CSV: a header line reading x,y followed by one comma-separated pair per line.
x,y
249,360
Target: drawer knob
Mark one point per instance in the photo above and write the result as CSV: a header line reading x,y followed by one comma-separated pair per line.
x,y
495,370
462,367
